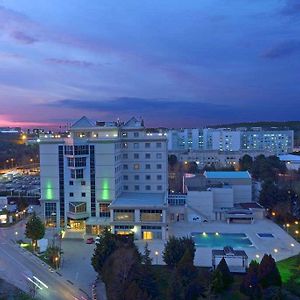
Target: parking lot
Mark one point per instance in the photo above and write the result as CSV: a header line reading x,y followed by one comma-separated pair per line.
x,y
20,184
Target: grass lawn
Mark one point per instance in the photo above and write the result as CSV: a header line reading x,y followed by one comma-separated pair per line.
x,y
289,267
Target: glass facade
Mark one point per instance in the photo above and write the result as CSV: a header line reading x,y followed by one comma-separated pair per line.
x,y
104,210
50,214
92,178
61,186
124,215
151,215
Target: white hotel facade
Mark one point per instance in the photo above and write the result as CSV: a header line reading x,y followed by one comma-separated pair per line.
x,y
106,174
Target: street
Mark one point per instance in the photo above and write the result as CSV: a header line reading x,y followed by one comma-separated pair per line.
x,y
29,273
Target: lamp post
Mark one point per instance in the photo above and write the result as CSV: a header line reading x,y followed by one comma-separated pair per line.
x,y
56,262
156,255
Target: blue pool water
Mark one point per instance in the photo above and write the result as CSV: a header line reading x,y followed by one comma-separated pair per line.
x,y
220,240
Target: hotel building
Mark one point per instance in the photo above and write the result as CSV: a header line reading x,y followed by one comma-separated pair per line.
x,y
106,174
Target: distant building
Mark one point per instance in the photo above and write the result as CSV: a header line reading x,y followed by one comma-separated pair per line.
x,y
106,173
291,161
225,146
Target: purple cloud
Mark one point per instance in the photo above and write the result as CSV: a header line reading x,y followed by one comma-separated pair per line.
x,y
283,49
23,37
71,62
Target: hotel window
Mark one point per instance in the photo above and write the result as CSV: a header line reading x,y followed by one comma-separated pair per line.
x,y
158,155
159,187
148,177
148,167
71,194
125,156
136,145
159,177
125,177
148,187
136,166
71,182
125,187
147,145
136,134
79,173
82,182
158,166
124,145
136,177
83,194
136,187
158,145
125,167
136,156
148,155
104,210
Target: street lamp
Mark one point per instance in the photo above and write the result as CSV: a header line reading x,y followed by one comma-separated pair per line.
x,y
56,261
156,255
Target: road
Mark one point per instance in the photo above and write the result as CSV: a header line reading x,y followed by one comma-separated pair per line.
x,y
29,273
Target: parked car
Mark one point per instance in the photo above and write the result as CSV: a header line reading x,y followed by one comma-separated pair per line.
x,y
90,240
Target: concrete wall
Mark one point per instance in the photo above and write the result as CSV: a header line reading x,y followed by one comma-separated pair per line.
x,y
223,197
242,193
200,203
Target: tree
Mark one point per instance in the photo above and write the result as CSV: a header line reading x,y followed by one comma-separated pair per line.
x,y
217,282
175,290
146,259
35,229
53,254
145,276
246,163
175,249
135,292
189,277
119,271
172,160
227,276
268,274
106,246
250,285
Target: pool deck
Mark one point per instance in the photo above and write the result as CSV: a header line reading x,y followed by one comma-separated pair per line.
x,y
282,240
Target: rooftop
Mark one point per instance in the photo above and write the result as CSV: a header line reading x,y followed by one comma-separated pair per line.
x,y
290,157
227,174
150,200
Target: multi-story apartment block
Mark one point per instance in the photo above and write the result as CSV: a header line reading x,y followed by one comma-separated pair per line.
x,y
108,173
272,142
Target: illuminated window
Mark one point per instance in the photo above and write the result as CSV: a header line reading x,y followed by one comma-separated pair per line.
x,y
136,166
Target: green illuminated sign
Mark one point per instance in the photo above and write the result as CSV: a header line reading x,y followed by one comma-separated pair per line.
x,y
105,190
49,191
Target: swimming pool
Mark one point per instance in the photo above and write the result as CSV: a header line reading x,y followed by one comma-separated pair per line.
x,y
220,240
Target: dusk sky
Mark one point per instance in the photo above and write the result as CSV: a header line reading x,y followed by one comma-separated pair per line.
x,y
175,63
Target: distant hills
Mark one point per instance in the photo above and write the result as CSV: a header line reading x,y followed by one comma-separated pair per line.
x,y
292,125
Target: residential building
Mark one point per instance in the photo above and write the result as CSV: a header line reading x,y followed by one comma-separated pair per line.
x,y
272,142
106,174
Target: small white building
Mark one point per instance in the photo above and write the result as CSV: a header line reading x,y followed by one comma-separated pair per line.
x,y
291,161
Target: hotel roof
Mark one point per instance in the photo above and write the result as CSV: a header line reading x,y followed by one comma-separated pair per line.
x,y
144,200
227,174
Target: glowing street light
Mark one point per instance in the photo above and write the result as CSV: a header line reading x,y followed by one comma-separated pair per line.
x,y
156,255
296,222
273,214
275,250
257,256
292,245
